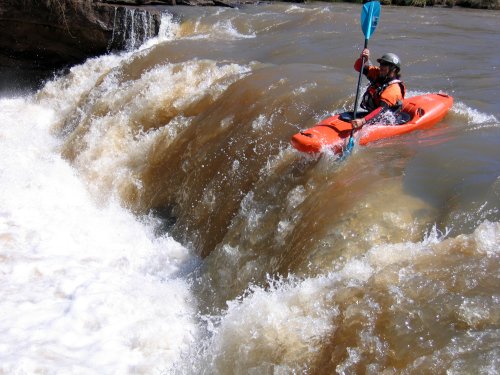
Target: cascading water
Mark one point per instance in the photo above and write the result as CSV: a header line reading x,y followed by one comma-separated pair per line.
x,y
133,27
153,217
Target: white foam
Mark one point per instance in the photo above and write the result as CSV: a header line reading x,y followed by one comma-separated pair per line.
x,y
225,29
114,144
487,237
473,116
296,9
260,122
169,30
85,289
281,327
303,89
64,94
221,30
282,324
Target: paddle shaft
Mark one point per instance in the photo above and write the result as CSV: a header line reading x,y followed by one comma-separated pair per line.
x,y
359,82
369,19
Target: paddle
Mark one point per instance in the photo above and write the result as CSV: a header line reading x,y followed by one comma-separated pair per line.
x,y
370,15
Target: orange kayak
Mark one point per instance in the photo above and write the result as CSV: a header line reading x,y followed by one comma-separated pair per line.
x,y
333,133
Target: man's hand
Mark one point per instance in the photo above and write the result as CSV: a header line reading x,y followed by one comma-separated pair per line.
x,y
358,123
365,54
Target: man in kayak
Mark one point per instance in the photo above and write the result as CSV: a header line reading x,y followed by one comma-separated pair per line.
x,y
386,90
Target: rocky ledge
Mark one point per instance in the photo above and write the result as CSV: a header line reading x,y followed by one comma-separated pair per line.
x,y
41,36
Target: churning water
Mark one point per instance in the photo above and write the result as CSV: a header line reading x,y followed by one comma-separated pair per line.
x,y
155,219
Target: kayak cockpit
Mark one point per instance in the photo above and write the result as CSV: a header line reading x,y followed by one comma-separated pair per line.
x,y
400,117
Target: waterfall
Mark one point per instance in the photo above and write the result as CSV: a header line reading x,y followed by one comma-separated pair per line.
x,y
132,27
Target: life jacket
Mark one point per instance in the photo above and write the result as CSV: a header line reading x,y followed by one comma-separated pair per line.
x,y
371,98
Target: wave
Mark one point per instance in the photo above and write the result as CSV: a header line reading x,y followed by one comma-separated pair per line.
x,y
475,119
356,316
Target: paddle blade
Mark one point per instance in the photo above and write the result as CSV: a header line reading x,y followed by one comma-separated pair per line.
x,y
350,146
369,18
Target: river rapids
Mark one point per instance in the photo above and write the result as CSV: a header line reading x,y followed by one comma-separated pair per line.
x,y
154,218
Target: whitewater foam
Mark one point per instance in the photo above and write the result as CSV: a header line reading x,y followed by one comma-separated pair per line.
x,y
475,118
85,288
391,290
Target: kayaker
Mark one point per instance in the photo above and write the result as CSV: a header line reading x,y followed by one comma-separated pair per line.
x,y
386,90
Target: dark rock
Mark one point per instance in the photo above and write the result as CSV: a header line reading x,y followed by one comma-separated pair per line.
x,y
55,33
47,35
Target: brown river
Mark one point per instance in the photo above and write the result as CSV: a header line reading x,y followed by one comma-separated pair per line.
x,y
155,219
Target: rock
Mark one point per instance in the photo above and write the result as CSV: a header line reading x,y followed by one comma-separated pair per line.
x,y
58,33
42,36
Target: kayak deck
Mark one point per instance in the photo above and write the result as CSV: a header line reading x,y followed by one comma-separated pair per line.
x,y
333,132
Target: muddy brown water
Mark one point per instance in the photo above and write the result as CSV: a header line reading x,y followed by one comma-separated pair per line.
x,y
386,262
